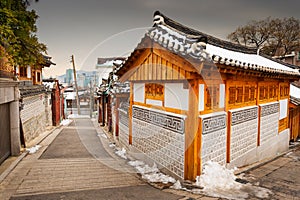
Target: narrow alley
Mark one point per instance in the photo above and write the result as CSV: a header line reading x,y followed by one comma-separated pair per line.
x,y
72,163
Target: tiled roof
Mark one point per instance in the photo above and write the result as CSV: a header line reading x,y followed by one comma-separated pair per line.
x,y
295,101
188,42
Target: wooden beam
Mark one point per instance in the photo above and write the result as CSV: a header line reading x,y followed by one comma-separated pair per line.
x,y
130,113
191,161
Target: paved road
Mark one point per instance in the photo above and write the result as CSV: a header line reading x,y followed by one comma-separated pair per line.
x,y
281,176
74,164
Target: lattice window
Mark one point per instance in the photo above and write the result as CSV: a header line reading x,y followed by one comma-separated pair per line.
x,y
38,77
239,98
252,93
23,71
246,94
284,91
154,91
262,93
232,93
242,94
212,96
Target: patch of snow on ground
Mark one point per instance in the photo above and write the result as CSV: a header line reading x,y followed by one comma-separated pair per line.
x,y
151,174
33,149
217,181
177,185
76,116
112,145
103,135
122,153
66,122
136,163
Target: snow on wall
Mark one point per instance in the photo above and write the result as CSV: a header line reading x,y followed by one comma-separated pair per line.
x,y
160,135
176,96
244,129
214,138
268,121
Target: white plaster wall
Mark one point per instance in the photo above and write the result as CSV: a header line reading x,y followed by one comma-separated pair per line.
x,y
243,136
163,146
270,149
176,97
283,108
139,92
154,102
201,97
213,146
268,127
28,72
123,127
222,96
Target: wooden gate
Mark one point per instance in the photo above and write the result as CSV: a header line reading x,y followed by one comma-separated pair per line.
x,y
4,132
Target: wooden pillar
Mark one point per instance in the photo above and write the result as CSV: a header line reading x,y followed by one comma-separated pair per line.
x,y
192,136
117,116
130,112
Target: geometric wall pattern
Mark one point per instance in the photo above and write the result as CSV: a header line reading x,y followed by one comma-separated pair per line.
x,y
244,130
123,127
214,139
162,144
268,121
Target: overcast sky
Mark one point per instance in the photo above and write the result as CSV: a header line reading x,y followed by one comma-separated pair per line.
x,y
103,28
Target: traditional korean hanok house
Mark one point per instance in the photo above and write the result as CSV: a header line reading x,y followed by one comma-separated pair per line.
x,y
195,98
294,112
32,75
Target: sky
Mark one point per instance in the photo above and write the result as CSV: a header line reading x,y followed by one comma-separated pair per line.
x,y
89,29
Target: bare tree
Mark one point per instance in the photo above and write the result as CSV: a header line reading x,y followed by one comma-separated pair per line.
x,y
272,36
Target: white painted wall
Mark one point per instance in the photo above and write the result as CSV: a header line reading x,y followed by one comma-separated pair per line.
x,y
176,96
201,97
222,96
28,72
283,108
139,92
154,102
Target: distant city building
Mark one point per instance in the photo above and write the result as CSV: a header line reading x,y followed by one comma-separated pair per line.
x,y
69,76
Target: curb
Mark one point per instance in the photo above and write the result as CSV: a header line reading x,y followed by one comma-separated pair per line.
x,y
13,165
259,164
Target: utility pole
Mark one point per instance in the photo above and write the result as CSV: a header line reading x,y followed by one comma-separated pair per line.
x,y
77,96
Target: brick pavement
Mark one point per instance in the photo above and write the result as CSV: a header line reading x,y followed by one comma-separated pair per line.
x,y
281,176
63,167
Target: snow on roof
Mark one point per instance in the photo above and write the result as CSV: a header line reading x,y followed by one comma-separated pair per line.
x,y
72,95
188,42
245,60
109,62
50,85
294,91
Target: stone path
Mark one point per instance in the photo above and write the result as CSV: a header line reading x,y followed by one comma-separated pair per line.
x,y
281,176
73,164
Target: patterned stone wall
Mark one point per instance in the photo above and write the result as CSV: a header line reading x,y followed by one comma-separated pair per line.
x,y
213,138
244,129
35,116
123,127
268,121
160,136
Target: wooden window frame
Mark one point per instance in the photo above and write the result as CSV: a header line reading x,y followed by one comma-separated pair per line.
x,y
241,94
154,91
211,98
